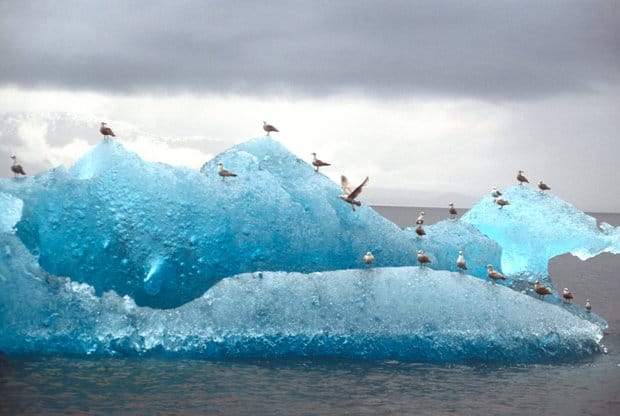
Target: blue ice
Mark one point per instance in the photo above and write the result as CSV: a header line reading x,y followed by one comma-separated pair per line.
x,y
119,255
444,240
11,211
405,313
163,235
537,226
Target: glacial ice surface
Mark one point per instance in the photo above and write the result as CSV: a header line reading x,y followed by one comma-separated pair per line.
x,y
10,211
163,235
444,240
537,226
405,313
118,255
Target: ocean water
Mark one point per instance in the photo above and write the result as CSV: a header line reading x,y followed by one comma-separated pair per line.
x,y
53,385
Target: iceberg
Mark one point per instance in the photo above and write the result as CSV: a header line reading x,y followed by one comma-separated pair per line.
x,y
116,255
163,235
405,313
537,226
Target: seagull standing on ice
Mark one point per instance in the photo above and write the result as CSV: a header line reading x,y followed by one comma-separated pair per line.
x,y
349,196
501,202
568,297
495,193
106,131
460,261
494,275
223,172
543,186
541,290
588,305
318,162
420,219
423,258
369,258
521,178
17,168
452,210
269,128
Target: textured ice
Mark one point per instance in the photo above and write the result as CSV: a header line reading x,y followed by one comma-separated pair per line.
x,y
405,313
163,235
10,211
147,252
444,240
537,226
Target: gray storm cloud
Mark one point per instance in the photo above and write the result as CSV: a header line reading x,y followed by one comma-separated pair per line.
x,y
492,50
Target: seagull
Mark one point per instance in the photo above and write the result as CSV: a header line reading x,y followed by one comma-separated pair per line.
x,y
420,231
494,275
541,290
543,186
106,131
495,193
420,219
369,258
501,202
223,172
269,128
423,258
521,178
452,210
16,168
588,305
349,196
460,261
318,163
568,297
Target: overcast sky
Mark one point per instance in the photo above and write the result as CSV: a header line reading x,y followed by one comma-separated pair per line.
x,y
436,101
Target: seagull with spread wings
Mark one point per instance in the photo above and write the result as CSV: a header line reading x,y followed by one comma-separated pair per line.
x,y
349,196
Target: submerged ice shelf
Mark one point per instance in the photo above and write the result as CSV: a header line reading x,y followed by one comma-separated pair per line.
x,y
118,255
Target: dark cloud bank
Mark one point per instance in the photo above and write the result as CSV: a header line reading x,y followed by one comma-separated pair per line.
x,y
488,49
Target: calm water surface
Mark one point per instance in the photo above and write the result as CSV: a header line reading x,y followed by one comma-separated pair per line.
x,y
162,386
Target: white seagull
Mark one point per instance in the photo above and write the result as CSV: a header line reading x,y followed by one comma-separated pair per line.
x,y
460,261
223,172
420,219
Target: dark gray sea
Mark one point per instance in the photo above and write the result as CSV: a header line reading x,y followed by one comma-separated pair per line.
x,y
157,386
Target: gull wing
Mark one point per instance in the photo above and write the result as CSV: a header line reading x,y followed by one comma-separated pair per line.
x,y
344,184
358,190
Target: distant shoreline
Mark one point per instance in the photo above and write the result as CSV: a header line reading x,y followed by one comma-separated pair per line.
x,y
405,216
468,208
